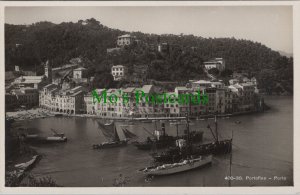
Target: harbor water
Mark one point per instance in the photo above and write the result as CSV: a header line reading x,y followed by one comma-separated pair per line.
x,y
262,151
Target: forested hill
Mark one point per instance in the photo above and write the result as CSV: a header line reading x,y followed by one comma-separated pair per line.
x,y
28,46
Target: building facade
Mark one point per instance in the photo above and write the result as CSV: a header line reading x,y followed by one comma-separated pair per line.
x,y
119,72
125,40
218,63
25,97
65,101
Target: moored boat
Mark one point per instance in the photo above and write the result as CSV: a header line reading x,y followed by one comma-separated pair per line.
x,y
176,153
185,165
112,144
35,138
117,136
187,161
161,140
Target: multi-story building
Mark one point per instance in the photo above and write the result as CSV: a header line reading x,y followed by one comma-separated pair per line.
x,y
218,63
243,97
210,107
125,40
47,97
201,84
163,47
36,82
79,73
66,101
89,104
119,72
27,97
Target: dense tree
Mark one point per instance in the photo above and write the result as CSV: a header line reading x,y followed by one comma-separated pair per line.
x,y
29,46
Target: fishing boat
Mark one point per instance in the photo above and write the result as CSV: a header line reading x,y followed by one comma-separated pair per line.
x,y
186,163
117,136
35,138
176,153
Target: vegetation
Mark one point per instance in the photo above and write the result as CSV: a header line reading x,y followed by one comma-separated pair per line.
x,y
29,46
29,181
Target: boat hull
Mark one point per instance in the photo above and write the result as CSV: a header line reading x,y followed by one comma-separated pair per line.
x,y
39,139
110,145
174,154
168,141
196,163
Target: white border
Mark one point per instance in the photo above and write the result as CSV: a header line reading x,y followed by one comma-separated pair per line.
x,y
159,190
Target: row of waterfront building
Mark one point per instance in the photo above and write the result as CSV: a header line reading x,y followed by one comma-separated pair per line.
x,y
240,97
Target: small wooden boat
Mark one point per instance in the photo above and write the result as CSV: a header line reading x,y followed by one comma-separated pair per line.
x,y
112,144
27,165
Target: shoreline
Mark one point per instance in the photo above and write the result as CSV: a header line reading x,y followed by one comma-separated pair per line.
x,y
43,113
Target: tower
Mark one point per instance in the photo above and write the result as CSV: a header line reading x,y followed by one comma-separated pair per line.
x,y
48,71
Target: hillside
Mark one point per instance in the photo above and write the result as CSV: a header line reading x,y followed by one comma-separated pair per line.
x,y
29,46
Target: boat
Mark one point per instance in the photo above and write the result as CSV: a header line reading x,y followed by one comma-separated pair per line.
x,y
117,136
185,165
176,153
58,115
55,133
110,144
161,140
23,167
238,122
108,123
35,138
27,165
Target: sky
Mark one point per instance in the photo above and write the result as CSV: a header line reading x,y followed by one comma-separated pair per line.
x,y
269,25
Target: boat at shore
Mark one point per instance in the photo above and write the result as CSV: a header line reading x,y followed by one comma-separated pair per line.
x,y
185,165
29,164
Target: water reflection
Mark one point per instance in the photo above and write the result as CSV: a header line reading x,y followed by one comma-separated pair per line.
x,y
262,145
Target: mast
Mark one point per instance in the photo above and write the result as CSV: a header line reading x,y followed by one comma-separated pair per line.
x,y
216,123
177,129
230,161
